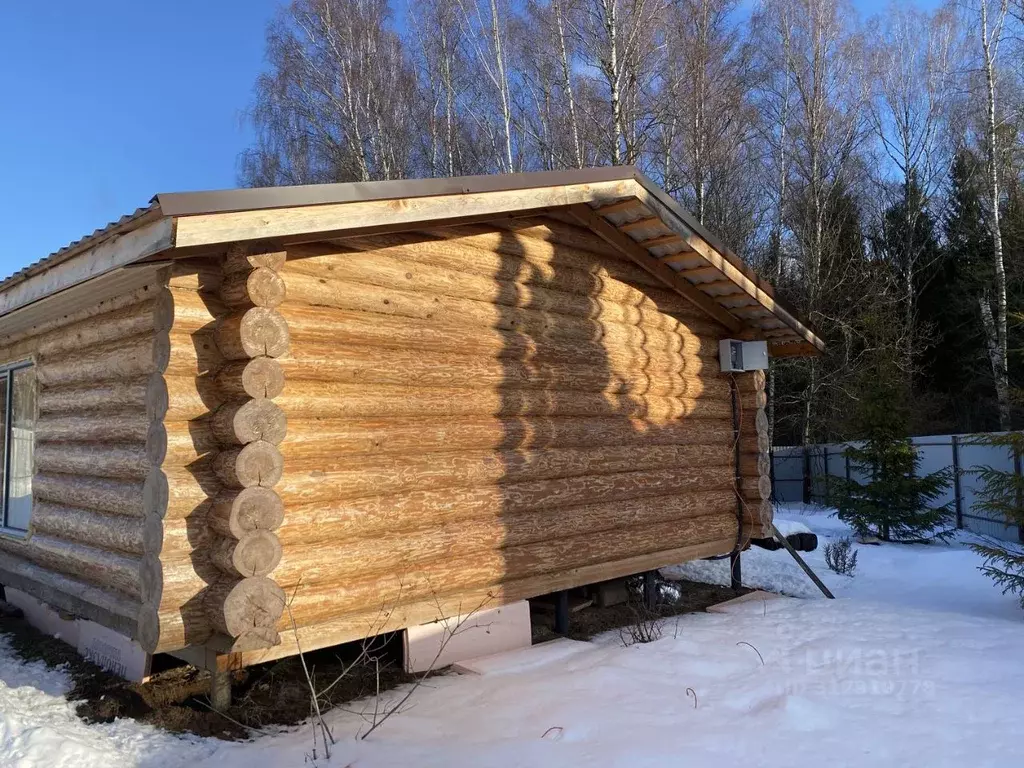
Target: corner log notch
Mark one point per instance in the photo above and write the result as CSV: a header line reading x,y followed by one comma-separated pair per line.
x,y
244,605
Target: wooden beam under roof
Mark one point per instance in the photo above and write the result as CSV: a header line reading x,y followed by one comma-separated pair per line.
x,y
638,254
333,218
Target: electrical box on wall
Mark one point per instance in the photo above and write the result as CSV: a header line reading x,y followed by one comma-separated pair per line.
x,y
737,356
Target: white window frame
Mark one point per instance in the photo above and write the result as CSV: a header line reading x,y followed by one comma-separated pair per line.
x,y
7,381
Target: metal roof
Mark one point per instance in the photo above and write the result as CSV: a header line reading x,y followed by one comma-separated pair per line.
x,y
125,223
175,206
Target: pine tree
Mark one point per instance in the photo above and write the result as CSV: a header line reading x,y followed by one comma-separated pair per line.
x,y
1002,495
893,503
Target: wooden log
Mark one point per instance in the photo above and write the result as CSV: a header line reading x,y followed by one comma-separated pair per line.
x,y
195,311
114,496
258,463
255,554
245,258
162,629
310,399
191,397
193,354
107,569
115,361
261,287
403,267
326,443
142,318
245,421
12,346
258,377
363,476
496,256
439,579
429,369
190,444
130,426
335,520
525,311
620,344
255,332
147,394
394,549
494,249
203,274
235,607
755,464
251,510
119,533
122,462
357,625
185,489
761,421
757,488
63,592
178,539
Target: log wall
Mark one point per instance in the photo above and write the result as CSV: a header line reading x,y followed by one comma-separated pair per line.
x,y
479,412
376,433
96,522
222,459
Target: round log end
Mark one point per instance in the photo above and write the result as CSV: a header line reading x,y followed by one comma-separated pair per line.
x,y
157,401
256,332
256,554
163,310
155,493
156,443
161,351
250,510
260,377
761,421
257,464
256,639
239,607
249,421
152,535
151,579
265,287
149,627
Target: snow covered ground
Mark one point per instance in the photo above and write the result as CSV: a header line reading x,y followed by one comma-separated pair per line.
x,y
917,663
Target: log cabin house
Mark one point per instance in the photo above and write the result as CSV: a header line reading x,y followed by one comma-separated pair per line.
x,y
376,402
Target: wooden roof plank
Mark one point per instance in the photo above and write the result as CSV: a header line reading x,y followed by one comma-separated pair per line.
x,y
729,269
630,248
240,226
651,221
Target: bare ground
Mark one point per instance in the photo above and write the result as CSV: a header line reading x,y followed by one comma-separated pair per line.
x,y
176,697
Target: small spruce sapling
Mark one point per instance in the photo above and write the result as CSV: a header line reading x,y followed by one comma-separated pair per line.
x,y
1002,496
895,503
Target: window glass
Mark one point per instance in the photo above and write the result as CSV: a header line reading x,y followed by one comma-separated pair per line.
x,y
21,438
3,444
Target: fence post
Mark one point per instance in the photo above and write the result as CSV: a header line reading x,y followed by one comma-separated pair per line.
x,y
807,475
826,494
957,495
1018,501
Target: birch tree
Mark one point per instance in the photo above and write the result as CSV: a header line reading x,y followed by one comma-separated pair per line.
x,y
486,25
915,71
336,103
620,43
989,23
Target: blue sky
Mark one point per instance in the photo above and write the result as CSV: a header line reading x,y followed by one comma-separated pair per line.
x,y
108,102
